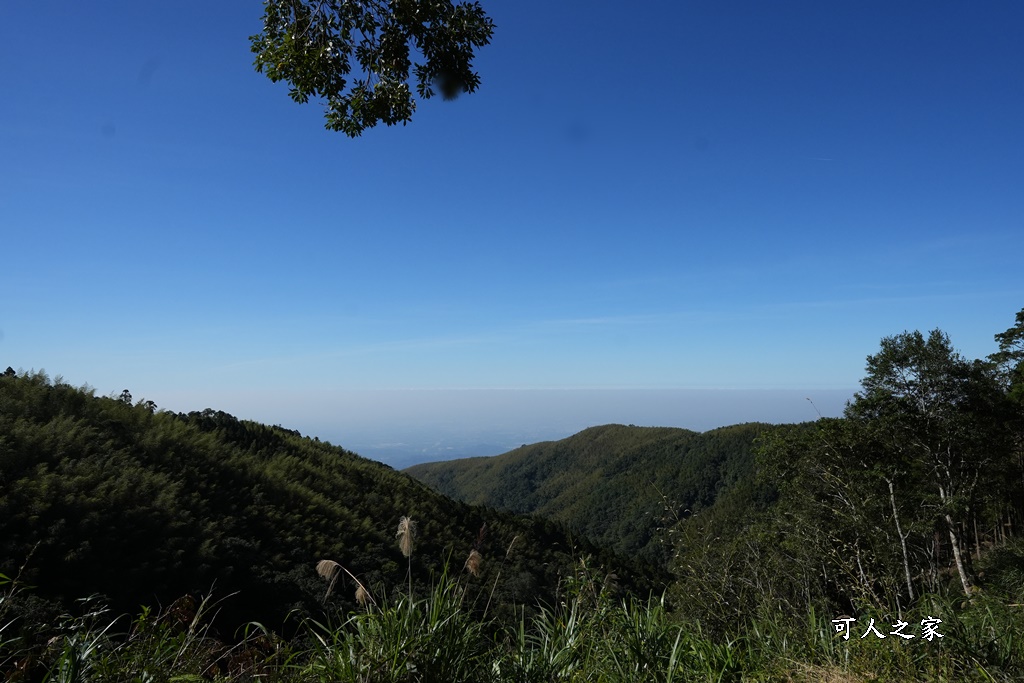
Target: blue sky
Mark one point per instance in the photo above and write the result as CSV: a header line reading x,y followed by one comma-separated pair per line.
x,y
738,197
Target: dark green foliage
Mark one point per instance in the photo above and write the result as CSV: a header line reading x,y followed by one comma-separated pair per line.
x,y
360,57
914,493
1009,359
144,506
881,514
431,639
938,424
614,484
586,636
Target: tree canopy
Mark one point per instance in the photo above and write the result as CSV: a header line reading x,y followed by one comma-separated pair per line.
x,y
915,492
361,58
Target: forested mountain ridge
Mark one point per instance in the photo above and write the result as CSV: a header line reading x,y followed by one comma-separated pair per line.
x,y
611,483
100,495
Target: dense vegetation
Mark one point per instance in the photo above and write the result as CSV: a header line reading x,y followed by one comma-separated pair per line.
x,y
439,636
102,496
907,507
879,546
903,496
610,483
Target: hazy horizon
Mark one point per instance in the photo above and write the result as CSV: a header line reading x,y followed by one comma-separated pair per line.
x,y
405,427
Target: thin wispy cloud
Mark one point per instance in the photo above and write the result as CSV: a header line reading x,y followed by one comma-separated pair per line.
x,y
383,347
893,300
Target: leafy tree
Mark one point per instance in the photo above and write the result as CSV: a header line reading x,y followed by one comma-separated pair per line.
x,y
941,414
361,57
1010,357
854,508
1009,367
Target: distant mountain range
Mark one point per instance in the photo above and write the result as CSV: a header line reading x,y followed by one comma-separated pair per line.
x,y
614,484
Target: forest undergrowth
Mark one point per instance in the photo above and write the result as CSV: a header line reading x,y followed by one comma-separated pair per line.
x,y
590,634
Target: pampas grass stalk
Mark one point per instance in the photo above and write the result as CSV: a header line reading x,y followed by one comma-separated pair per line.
x,y
406,537
473,562
406,532
331,570
362,596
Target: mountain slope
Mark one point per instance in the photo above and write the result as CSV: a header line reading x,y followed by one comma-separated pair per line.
x,y
101,496
611,483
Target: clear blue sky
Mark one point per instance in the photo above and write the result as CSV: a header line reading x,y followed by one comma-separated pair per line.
x,y
648,196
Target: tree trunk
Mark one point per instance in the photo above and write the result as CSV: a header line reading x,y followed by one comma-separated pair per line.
x,y
903,540
958,557
977,539
955,542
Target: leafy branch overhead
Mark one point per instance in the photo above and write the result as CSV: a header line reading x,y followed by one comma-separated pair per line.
x,y
360,58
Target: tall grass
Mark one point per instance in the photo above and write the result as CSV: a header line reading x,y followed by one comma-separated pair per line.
x,y
176,644
589,634
432,639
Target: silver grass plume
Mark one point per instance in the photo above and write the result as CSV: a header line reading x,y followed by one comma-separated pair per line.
x,y
405,535
473,562
328,569
331,570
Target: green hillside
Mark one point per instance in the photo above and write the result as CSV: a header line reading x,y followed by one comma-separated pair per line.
x,y
611,483
882,545
102,496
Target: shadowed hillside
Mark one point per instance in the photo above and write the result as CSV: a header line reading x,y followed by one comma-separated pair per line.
x,y
100,495
611,483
